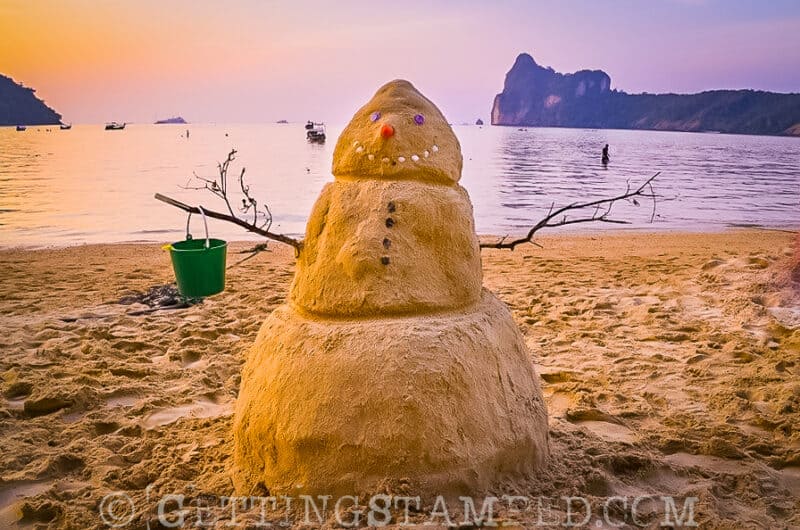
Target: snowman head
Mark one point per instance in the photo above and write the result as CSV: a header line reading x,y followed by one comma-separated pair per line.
x,y
398,135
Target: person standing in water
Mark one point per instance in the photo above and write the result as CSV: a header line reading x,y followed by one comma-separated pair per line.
x,y
605,155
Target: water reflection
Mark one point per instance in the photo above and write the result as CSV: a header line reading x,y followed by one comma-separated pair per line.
x,y
706,181
91,185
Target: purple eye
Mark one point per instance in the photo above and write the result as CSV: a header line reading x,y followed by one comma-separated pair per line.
x,y
419,119
375,116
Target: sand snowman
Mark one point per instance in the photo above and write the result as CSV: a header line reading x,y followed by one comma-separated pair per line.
x,y
389,364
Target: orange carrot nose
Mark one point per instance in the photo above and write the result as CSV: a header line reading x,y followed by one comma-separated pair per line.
x,y
387,131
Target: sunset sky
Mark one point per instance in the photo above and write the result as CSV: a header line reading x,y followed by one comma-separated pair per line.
x,y
255,61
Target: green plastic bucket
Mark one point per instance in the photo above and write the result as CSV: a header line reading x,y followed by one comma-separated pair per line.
x,y
199,264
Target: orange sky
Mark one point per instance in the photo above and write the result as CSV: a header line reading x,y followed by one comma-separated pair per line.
x,y
103,53
249,60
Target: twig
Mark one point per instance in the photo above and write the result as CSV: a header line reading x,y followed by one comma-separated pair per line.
x,y
231,219
219,187
252,255
259,247
602,209
252,252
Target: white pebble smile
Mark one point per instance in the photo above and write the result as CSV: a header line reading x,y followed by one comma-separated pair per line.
x,y
360,149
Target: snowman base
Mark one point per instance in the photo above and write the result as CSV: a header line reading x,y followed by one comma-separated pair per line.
x,y
437,404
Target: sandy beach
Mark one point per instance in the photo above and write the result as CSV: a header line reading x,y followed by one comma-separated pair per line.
x,y
670,365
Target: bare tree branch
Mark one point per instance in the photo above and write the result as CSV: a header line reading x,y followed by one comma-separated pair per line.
x,y
219,187
555,217
235,220
602,210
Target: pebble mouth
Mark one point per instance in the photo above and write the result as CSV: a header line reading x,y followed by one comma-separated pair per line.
x,y
361,149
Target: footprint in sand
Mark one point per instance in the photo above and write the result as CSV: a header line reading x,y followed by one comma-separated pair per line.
x,y
11,496
610,432
601,424
757,262
121,399
130,346
712,264
118,399
558,403
788,317
18,390
192,359
105,427
790,477
555,374
200,409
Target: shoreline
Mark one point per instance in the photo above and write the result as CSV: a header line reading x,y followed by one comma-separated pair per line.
x,y
668,364
455,124
770,135
568,233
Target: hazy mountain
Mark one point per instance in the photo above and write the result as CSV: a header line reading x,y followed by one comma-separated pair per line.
x,y
176,120
537,96
19,106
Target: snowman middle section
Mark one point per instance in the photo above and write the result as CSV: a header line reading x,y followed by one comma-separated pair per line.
x,y
388,247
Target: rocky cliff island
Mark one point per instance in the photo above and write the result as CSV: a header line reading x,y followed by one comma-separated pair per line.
x,y
534,95
177,120
19,106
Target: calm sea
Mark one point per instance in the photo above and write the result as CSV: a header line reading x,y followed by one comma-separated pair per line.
x,y
88,185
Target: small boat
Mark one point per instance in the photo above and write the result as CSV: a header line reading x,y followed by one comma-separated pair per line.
x,y
65,126
310,125
316,134
21,127
114,126
282,122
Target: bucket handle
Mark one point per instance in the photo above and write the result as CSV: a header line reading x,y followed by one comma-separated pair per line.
x,y
205,223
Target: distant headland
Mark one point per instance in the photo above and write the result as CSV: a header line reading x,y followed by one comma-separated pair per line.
x,y
19,106
176,120
537,96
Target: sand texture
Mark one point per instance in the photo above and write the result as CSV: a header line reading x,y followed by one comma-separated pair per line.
x,y
443,403
670,365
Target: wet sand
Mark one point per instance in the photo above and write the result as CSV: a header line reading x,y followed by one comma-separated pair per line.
x,y
670,366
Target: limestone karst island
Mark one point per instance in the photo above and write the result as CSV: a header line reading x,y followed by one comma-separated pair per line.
x,y
20,106
537,96
391,272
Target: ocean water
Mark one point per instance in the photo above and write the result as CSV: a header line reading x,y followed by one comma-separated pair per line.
x,y
88,185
